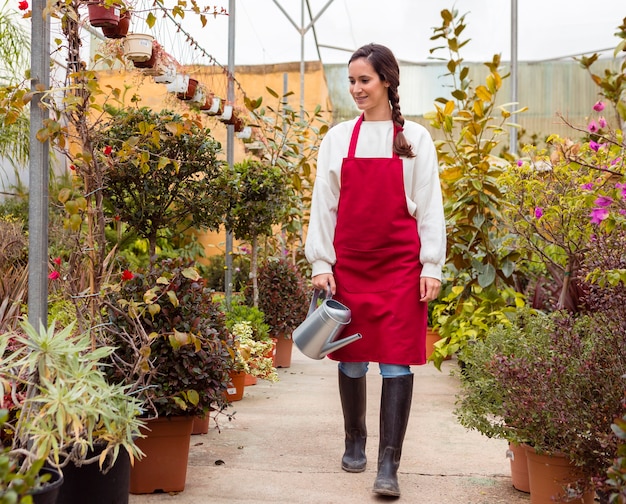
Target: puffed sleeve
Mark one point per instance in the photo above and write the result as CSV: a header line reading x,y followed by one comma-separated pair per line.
x,y
425,201
319,249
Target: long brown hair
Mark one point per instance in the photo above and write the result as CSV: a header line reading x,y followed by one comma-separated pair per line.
x,y
386,66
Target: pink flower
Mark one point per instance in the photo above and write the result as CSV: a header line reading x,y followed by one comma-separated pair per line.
x,y
615,161
593,127
602,122
520,162
598,215
587,187
594,146
603,201
57,261
538,213
622,187
599,106
23,5
127,275
55,275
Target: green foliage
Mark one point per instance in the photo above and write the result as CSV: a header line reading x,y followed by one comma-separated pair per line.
x,y
160,172
172,345
283,296
241,312
616,482
214,271
479,265
256,195
564,395
68,406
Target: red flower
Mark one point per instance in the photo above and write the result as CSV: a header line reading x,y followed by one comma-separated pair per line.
x,y
72,167
57,261
23,5
127,275
107,150
55,275
117,218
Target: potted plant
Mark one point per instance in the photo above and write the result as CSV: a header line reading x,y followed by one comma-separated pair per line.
x,y
284,300
554,383
68,414
254,349
174,351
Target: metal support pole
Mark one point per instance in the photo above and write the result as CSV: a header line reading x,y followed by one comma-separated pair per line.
x,y
230,137
514,97
38,171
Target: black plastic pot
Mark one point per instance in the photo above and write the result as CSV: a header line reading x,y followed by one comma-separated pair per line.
x,y
48,493
89,485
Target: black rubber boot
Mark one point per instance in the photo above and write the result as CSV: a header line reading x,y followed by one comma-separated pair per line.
x,y
353,403
395,407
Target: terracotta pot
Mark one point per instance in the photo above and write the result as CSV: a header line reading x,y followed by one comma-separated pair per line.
x,y
548,475
432,336
120,30
249,380
235,389
138,46
284,347
519,467
190,92
200,425
216,107
100,16
166,445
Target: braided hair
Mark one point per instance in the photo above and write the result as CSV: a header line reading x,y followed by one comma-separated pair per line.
x,y
386,66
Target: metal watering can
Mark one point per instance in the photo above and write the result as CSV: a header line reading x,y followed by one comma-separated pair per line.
x,y
317,336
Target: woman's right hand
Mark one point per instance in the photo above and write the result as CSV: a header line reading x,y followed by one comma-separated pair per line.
x,y
324,281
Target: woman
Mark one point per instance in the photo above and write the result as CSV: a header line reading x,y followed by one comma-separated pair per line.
x,y
376,240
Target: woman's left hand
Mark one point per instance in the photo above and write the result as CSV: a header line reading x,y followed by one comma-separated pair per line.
x,y
429,289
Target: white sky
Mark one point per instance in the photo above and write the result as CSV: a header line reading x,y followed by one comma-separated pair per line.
x,y
547,29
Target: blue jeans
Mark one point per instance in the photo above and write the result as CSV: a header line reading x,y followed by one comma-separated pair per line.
x,y
359,369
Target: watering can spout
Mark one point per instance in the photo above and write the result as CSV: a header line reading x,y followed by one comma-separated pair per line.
x,y
332,346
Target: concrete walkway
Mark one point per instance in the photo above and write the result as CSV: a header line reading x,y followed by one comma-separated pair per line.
x,y
286,441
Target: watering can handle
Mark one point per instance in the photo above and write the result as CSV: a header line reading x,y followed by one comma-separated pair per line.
x,y
314,299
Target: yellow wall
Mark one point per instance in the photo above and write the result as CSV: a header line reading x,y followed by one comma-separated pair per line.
x,y
251,80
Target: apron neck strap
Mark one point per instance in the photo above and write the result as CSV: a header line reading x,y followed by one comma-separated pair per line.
x,y
355,136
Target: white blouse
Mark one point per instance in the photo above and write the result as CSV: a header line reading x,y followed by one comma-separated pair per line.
x,y
421,186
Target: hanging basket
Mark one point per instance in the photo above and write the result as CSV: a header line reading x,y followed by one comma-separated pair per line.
x,y
216,107
199,98
208,103
179,84
101,16
163,74
120,30
245,133
150,62
227,114
138,47
188,94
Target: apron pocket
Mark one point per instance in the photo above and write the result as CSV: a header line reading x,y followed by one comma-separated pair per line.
x,y
365,270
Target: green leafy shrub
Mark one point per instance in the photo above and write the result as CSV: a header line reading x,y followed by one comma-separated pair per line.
x,y
172,343
283,296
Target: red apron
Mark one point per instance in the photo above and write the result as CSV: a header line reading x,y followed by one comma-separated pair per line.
x,y
377,271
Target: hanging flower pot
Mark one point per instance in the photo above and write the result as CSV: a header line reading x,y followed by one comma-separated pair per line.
x,y
199,97
179,84
100,15
245,133
138,46
238,123
216,107
208,102
120,30
150,62
227,114
164,74
189,92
